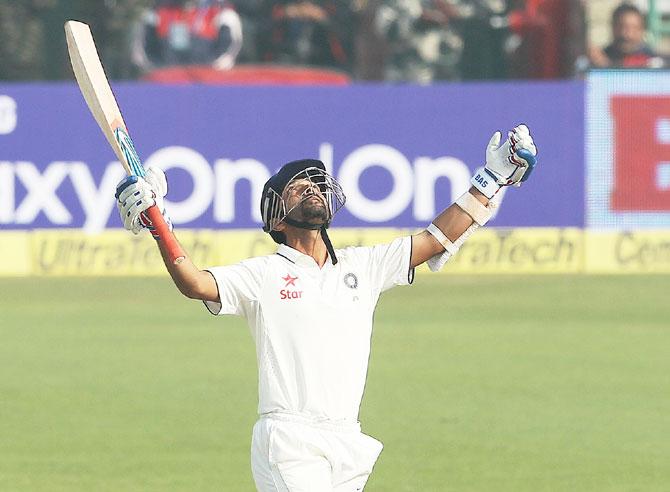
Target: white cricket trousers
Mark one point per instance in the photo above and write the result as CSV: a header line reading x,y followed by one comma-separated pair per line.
x,y
290,453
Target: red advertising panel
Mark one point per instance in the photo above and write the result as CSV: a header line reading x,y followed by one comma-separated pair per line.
x,y
641,153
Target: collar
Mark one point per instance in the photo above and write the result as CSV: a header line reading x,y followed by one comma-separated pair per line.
x,y
298,258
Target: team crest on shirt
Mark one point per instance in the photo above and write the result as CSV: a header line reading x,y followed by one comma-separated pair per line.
x,y
287,293
351,280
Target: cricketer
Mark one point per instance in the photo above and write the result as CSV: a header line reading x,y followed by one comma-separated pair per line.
x,y
310,308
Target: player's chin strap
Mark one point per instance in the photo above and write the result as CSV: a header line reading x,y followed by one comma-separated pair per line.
x,y
313,227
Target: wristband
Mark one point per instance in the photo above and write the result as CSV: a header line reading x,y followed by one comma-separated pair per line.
x,y
485,182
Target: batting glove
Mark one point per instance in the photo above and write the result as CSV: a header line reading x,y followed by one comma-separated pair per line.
x,y
508,164
135,195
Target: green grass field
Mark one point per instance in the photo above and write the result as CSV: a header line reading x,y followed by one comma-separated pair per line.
x,y
476,384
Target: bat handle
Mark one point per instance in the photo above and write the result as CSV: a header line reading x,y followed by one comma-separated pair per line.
x,y
174,250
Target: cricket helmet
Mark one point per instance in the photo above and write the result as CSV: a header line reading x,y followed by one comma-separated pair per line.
x,y
274,208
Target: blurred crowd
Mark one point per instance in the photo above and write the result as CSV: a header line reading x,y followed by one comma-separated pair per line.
x,y
396,40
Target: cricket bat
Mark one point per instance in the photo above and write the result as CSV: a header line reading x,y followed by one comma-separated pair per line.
x,y
100,99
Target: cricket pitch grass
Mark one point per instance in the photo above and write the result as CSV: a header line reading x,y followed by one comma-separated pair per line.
x,y
534,383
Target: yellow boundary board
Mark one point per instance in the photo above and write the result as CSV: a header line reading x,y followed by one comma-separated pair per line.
x,y
490,251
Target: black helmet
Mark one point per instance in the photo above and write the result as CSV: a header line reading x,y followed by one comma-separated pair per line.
x,y
273,207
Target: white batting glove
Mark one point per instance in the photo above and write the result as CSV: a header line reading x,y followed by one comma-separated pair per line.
x,y
508,164
135,195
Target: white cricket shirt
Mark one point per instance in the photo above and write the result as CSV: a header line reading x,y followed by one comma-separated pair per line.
x,y
311,325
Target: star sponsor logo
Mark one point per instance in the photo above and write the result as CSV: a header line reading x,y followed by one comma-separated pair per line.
x,y
289,280
286,293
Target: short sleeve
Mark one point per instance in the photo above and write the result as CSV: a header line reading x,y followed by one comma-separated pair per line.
x,y
389,264
238,285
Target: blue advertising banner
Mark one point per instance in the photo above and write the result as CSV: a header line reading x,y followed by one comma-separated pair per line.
x,y
401,153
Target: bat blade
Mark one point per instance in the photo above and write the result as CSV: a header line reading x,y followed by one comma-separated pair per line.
x,y
98,94
100,99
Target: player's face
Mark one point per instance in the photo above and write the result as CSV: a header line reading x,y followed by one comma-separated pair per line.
x,y
305,201
629,32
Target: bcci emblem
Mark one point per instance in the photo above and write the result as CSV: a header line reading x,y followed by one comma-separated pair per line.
x,y
351,281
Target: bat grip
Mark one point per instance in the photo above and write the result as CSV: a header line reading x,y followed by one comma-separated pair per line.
x,y
174,251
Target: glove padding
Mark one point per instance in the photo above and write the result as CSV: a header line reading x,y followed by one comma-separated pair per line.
x,y
508,164
135,195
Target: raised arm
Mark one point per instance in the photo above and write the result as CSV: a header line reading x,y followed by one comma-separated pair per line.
x,y
189,279
134,196
508,164
453,222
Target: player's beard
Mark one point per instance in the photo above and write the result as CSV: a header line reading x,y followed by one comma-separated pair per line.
x,y
313,210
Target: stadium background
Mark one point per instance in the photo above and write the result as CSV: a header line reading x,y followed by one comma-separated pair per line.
x,y
529,363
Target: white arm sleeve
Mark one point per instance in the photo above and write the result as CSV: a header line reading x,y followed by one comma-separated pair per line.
x,y
239,287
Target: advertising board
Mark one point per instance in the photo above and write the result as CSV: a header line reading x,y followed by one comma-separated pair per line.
x,y
628,150
401,153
